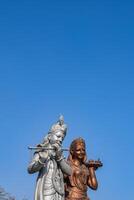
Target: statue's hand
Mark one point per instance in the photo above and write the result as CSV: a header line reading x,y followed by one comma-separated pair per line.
x,y
43,156
95,164
58,153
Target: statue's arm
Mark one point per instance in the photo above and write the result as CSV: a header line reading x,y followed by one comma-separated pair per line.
x,y
36,164
92,180
65,167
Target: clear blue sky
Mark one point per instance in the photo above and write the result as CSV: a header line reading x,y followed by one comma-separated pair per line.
x,y
75,58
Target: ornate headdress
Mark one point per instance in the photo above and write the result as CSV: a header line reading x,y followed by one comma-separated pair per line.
x,y
59,126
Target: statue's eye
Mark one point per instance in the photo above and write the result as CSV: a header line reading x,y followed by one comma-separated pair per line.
x,y
83,149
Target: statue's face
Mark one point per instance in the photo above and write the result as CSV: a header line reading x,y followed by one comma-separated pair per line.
x,y
61,122
57,138
79,151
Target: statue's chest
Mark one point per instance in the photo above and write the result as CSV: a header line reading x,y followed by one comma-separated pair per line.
x,y
81,174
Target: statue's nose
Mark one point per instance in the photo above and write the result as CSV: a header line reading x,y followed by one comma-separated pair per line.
x,y
60,139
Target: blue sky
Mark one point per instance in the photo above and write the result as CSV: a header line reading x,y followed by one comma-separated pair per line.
x,y
75,58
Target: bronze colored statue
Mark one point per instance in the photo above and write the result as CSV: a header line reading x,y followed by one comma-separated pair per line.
x,y
83,172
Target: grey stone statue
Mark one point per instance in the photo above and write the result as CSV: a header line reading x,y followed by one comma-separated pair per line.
x,y
48,160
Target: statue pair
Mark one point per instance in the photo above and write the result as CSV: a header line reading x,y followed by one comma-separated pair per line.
x,y
58,178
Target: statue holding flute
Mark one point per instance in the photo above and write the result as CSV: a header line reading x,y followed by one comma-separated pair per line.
x,y
49,161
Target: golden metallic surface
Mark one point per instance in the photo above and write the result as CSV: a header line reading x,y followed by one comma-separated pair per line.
x,y
83,172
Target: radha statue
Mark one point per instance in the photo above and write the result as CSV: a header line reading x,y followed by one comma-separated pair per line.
x,y
83,172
